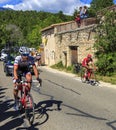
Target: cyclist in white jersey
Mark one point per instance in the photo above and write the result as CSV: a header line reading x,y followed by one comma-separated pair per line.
x,y
21,66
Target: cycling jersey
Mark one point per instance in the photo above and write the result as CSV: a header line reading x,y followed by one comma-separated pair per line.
x,y
24,66
85,62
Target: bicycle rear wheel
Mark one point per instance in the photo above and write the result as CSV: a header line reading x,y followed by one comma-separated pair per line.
x,y
29,109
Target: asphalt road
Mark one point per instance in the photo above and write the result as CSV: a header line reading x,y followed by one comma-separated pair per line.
x,y
68,104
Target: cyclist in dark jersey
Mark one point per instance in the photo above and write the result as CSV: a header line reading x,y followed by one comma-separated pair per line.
x,y
21,65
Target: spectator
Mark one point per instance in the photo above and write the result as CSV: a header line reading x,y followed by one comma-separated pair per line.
x,y
78,20
85,12
38,59
81,12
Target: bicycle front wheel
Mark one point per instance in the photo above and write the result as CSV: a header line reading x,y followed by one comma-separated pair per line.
x,y
29,109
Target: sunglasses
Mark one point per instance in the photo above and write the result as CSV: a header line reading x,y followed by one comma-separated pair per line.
x,y
25,55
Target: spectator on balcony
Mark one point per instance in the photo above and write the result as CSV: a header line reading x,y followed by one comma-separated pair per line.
x,y
81,12
78,20
85,12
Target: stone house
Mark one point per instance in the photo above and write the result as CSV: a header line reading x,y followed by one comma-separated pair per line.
x,y
67,43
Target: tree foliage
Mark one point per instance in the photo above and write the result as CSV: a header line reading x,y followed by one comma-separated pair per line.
x,y
98,5
106,43
23,27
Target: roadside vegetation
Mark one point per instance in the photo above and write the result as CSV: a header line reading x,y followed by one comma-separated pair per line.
x,y
71,69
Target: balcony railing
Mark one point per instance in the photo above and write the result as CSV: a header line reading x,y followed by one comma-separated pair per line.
x,y
72,25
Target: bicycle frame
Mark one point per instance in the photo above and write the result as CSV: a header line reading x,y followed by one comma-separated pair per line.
x,y
89,77
26,101
90,73
23,92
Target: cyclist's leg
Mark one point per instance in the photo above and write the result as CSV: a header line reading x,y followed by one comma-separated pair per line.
x,y
15,89
15,93
89,74
84,74
29,109
28,77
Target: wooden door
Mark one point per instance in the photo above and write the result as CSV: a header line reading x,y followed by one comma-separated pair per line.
x,y
73,54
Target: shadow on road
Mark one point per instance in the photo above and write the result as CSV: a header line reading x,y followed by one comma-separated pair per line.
x,y
43,107
8,119
11,119
112,124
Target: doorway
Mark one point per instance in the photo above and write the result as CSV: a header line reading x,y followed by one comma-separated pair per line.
x,y
74,54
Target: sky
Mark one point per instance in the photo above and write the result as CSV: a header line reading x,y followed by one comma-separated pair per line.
x,y
53,6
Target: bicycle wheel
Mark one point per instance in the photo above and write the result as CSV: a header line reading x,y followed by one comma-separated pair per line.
x,y
41,115
94,82
29,109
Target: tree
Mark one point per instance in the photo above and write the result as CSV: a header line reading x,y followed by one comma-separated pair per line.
x,y
75,13
34,37
24,27
97,5
15,34
101,4
106,43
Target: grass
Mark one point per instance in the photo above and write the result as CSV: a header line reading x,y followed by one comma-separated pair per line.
x,y
111,79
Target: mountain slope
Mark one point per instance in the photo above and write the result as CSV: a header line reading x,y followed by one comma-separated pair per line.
x,y
2,9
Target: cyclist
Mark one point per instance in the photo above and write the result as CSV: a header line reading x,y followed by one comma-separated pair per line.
x,y
21,66
88,64
38,59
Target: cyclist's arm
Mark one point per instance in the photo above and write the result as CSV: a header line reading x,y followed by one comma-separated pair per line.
x,y
93,65
17,59
15,71
85,65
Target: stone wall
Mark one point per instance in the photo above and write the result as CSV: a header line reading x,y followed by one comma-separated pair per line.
x,y
82,38
67,44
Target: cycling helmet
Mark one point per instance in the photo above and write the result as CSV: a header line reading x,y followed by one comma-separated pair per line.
x,y
89,56
24,50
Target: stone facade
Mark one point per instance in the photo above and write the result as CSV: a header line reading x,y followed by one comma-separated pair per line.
x,y
68,46
67,43
79,41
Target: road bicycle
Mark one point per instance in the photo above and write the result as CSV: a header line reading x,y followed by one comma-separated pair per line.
x,y
25,101
91,75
